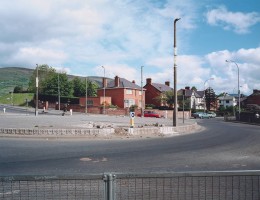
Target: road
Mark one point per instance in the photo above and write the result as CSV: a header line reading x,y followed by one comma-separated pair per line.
x,y
220,146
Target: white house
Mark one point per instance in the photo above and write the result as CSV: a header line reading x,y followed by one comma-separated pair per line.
x,y
196,98
227,100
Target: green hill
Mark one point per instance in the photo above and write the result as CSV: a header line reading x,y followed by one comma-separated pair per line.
x,y
13,76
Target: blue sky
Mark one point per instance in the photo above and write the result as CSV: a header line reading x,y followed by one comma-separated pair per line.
x,y
80,36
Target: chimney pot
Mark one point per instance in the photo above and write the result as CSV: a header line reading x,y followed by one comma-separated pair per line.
x,y
116,81
148,81
104,82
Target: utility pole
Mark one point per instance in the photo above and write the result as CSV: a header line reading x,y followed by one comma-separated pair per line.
x,y
104,101
175,76
37,91
86,95
59,89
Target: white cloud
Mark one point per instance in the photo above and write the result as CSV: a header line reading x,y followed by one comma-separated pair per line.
x,y
120,70
190,70
237,21
40,56
226,74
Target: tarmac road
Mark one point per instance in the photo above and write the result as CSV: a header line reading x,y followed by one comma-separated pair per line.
x,y
220,146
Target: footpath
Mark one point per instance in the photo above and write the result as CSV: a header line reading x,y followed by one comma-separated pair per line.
x,y
54,124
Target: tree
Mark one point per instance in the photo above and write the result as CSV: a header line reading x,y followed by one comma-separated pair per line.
x,y
57,81
48,82
44,71
18,89
194,88
166,98
210,98
92,89
79,87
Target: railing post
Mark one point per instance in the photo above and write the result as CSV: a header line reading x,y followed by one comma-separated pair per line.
x,y
109,193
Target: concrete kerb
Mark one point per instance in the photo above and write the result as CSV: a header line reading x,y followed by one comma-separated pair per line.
x,y
100,132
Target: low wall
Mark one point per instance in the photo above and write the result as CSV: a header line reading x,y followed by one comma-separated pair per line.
x,y
99,132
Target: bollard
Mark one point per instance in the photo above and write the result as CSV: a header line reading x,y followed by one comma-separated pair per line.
x,y
4,110
132,123
70,111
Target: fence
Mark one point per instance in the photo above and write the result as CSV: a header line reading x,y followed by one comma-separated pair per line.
x,y
240,185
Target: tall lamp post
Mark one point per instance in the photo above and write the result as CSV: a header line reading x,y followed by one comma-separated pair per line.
x,y
175,76
37,90
104,111
86,111
142,106
238,90
59,89
204,92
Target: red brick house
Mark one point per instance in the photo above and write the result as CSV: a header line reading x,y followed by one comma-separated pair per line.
x,y
94,101
253,99
123,93
154,90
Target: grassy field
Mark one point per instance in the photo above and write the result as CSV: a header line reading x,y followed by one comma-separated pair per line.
x,y
17,99
13,76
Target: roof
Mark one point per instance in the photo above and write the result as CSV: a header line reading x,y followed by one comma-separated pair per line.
x,y
200,94
226,97
162,87
123,83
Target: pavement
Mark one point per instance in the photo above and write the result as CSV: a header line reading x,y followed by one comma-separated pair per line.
x,y
53,123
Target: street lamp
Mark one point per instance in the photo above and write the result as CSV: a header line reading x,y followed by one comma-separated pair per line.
x,y
175,76
104,111
142,107
204,92
238,90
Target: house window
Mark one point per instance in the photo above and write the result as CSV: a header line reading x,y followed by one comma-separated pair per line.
x,y
227,101
140,93
129,91
128,103
90,102
219,101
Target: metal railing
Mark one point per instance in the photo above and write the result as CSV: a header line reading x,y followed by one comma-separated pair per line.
x,y
233,185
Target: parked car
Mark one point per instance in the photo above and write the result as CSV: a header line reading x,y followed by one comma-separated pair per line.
x,y
200,115
150,114
212,114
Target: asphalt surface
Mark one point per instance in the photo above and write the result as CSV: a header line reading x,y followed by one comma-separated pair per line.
x,y
219,146
16,117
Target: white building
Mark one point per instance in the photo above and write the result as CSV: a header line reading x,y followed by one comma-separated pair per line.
x,y
227,101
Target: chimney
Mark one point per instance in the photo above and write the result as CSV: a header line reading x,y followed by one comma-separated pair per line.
x,y
167,83
116,81
148,81
104,82
187,88
133,81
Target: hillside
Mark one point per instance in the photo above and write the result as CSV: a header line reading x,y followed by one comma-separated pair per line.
x,y
13,76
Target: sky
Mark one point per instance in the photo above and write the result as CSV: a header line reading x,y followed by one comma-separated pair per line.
x,y
81,36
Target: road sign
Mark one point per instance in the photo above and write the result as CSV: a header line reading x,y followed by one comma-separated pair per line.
x,y
132,115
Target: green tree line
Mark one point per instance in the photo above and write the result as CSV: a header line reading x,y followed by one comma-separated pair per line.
x,y
52,82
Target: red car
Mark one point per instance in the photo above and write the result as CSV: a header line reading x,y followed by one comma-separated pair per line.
x,y
150,114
